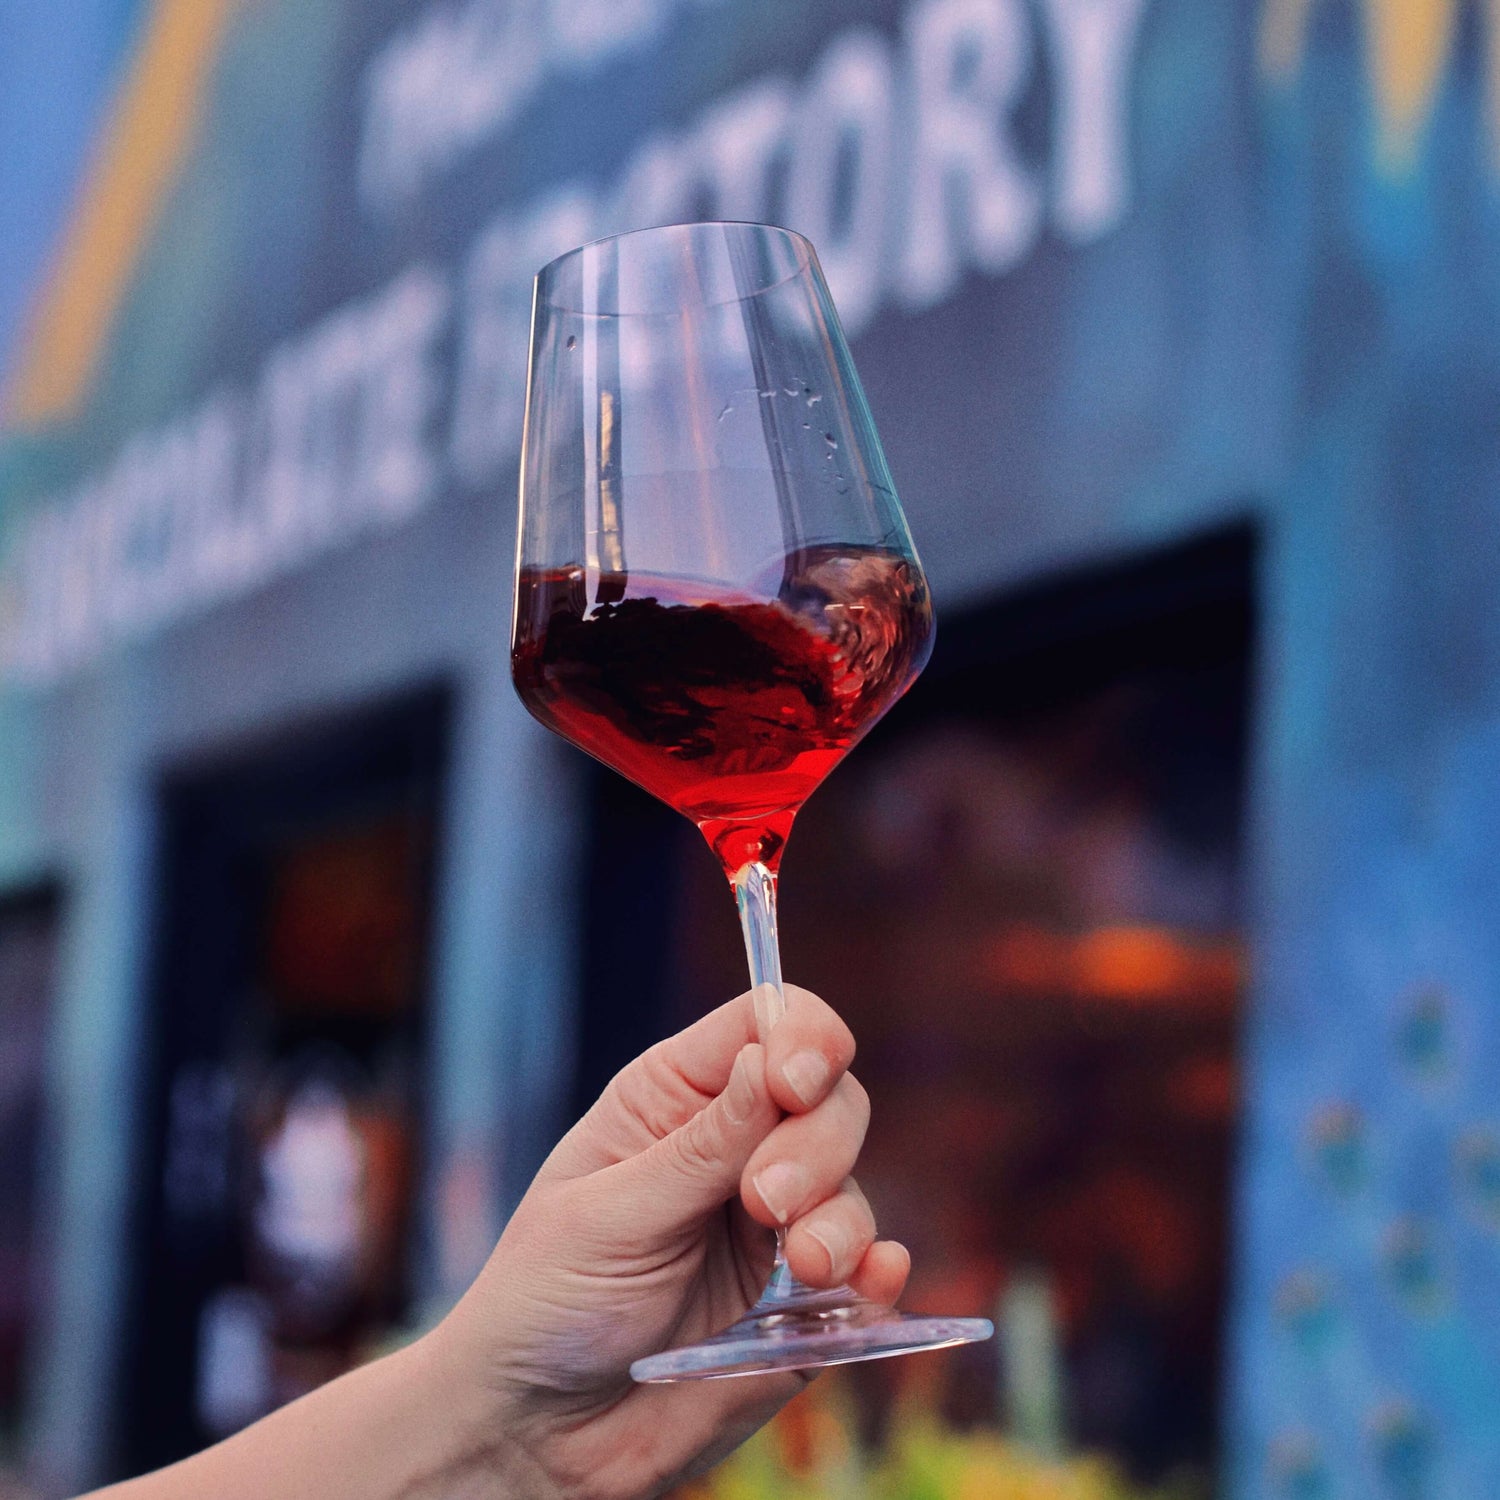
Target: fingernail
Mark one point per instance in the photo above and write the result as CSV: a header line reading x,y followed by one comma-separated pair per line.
x,y
739,1093
806,1073
782,1187
832,1237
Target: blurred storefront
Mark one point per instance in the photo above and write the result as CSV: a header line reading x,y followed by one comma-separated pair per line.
x,y
285,1071
1161,908
1028,901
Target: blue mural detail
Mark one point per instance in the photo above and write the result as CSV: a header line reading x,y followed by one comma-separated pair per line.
x,y
1284,323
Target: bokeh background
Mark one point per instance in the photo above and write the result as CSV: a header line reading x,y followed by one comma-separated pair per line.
x,y
1164,907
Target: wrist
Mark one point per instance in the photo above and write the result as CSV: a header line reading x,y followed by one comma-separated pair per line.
x,y
483,1441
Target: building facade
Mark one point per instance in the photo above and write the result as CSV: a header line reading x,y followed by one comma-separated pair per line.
x,y
1117,274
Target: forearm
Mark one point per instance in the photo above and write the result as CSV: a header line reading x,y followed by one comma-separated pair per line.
x,y
406,1427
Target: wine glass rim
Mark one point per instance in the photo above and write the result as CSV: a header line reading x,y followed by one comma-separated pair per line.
x,y
807,258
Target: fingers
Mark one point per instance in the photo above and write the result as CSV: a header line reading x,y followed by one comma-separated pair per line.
x,y
806,1158
834,1242
825,1246
881,1275
670,1083
695,1168
809,1050
809,1034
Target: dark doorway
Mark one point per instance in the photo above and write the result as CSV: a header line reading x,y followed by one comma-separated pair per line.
x,y
1023,893
283,1137
30,927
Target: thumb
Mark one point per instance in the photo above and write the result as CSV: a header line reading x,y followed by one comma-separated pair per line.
x,y
697,1167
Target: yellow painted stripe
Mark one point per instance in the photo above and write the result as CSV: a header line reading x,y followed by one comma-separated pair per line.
x,y
1408,47
1410,43
143,144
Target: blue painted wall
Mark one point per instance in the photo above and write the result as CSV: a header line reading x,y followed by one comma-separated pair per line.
x,y
1117,270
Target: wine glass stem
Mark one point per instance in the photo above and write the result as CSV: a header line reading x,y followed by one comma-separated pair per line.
x,y
755,895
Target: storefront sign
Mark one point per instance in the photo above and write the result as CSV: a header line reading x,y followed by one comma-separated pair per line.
x,y
898,155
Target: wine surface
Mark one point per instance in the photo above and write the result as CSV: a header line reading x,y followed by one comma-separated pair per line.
x,y
730,708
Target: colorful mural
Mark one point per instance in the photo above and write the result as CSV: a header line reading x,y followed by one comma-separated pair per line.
x,y
1116,271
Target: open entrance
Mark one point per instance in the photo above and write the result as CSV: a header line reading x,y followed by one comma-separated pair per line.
x,y
30,927
1023,892
284,1134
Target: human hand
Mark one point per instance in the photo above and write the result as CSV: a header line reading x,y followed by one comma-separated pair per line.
x,y
648,1227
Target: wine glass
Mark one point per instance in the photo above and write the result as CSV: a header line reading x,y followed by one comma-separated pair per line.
x,y
716,595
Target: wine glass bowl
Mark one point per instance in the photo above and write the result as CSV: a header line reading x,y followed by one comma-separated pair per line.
x,y
731,544
730,705
717,595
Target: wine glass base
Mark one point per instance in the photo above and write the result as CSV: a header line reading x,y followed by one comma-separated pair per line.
x,y
827,1328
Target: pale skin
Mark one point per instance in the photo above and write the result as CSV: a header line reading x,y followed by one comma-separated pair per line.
x,y
646,1228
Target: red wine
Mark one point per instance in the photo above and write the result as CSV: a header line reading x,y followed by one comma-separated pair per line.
x,y
730,708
